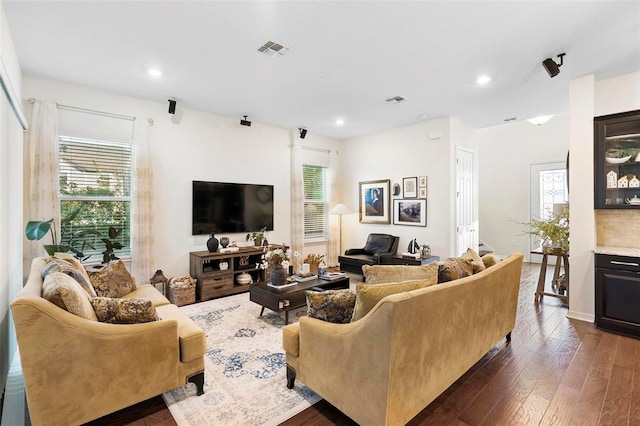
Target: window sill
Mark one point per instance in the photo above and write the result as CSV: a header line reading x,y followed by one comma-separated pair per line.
x,y
316,240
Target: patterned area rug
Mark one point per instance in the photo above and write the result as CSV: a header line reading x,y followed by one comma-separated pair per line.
x,y
245,379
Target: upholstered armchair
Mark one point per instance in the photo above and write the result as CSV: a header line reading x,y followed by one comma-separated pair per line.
x,y
377,251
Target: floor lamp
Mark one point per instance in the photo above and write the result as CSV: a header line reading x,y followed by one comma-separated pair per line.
x,y
339,210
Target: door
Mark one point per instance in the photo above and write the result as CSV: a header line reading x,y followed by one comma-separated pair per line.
x,y
548,187
466,235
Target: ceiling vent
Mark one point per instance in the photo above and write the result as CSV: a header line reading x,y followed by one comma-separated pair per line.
x,y
273,49
395,100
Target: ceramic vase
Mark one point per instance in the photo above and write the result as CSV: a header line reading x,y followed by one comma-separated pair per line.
x,y
212,244
278,276
224,242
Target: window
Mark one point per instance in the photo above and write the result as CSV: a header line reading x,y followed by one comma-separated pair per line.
x,y
316,202
95,193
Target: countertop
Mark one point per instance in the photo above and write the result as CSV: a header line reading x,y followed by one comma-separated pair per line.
x,y
618,251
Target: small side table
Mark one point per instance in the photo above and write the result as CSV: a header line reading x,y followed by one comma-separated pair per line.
x,y
399,260
561,258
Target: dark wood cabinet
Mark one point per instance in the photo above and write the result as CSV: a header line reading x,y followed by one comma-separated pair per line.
x,y
618,293
617,161
212,281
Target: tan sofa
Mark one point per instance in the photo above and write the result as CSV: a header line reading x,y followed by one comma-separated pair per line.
x,y
388,366
76,370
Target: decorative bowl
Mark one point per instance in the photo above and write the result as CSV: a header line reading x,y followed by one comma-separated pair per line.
x,y
611,160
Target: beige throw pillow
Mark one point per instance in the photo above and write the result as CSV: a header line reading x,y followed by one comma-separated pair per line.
x,y
368,295
378,274
453,269
490,259
476,261
62,290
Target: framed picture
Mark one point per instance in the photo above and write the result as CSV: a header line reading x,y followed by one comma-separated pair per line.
x,y
422,181
375,201
410,187
410,212
422,192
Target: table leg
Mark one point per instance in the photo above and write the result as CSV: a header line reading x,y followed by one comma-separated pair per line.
x,y
286,317
542,278
262,311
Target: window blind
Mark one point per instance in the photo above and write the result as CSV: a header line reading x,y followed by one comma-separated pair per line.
x,y
315,202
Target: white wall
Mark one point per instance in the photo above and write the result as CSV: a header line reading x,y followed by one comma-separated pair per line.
x,y
422,149
193,145
10,199
506,154
589,98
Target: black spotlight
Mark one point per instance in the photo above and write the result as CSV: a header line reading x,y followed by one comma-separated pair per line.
x,y
172,106
303,133
245,122
551,66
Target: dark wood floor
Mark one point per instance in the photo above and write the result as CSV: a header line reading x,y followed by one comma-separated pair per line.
x,y
555,371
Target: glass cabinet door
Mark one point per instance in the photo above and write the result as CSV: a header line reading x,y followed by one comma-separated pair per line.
x,y
617,161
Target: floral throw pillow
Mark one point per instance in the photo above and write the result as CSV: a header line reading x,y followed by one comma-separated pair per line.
x,y
331,305
124,311
453,269
113,280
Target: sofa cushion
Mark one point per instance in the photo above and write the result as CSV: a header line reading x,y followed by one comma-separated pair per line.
x,y
476,261
331,305
490,259
378,274
62,290
123,311
148,292
193,344
62,265
378,242
113,280
453,268
368,295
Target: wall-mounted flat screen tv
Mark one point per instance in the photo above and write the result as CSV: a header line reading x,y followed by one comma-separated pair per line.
x,y
231,207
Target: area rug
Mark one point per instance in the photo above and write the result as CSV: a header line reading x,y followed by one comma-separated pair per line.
x,y
245,369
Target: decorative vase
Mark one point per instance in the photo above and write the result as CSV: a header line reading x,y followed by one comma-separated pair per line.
x,y
278,276
313,267
212,244
257,241
244,279
224,242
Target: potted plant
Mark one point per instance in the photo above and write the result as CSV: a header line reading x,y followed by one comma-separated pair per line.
x,y
314,261
257,236
111,244
553,232
77,241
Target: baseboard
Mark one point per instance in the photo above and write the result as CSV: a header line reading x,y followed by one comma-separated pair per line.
x,y
14,411
581,316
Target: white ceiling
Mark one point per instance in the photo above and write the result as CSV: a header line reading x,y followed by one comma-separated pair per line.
x,y
347,57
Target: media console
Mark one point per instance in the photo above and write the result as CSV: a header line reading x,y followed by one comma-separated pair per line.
x,y
211,281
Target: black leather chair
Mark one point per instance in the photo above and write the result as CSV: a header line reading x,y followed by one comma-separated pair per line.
x,y
377,251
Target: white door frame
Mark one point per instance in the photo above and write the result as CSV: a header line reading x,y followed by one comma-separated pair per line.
x,y
466,220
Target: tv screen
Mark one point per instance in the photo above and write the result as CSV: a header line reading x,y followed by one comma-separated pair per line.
x,y
231,207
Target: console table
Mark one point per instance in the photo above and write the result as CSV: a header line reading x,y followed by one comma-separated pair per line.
x,y
561,258
215,282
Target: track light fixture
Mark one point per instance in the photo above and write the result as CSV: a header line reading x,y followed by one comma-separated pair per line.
x,y
245,122
303,132
551,66
172,106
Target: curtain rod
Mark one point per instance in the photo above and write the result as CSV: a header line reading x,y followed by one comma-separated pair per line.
x,y
312,148
89,111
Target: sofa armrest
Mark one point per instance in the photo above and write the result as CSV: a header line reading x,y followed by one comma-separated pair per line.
x,y
350,252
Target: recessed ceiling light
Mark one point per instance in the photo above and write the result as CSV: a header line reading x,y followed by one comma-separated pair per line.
x,y
154,72
395,100
339,121
539,120
511,119
483,79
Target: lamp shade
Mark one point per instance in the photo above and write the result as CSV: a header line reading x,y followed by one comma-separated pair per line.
x,y
340,209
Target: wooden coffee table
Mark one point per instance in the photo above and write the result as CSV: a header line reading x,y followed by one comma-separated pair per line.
x,y
292,297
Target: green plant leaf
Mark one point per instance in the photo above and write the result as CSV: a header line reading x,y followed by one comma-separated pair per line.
x,y
36,230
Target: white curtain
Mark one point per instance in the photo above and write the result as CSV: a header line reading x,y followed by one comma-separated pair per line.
x,y
142,260
334,220
41,173
297,201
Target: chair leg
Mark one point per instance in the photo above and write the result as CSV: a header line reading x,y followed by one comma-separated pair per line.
x,y
508,337
198,380
291,377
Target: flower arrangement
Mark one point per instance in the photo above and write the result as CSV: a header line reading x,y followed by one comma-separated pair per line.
x,y
314,259
554,232
277,258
